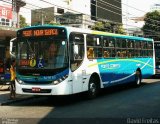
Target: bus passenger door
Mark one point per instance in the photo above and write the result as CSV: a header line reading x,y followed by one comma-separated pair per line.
x,y
76,59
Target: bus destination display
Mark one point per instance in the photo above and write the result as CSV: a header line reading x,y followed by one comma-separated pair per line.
x,y
40,32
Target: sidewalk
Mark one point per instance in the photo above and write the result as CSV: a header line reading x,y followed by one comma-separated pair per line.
x,y
5,98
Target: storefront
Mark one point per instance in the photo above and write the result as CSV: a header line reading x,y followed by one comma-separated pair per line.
x,y
9,24
5,35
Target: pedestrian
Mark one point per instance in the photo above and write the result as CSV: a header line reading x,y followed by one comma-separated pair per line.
x,y
12,81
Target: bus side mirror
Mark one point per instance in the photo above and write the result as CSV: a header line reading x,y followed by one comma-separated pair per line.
x,y
12,48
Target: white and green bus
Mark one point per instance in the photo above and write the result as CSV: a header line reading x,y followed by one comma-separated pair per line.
x,y
59,60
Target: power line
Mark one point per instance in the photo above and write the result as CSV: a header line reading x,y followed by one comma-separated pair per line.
x,y
120,9
136,9
123,15
78,12
89,15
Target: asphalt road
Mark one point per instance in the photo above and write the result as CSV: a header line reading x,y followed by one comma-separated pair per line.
x,y
122,104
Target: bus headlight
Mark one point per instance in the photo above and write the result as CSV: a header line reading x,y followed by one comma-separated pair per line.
x,y
55,82
59,80
19,81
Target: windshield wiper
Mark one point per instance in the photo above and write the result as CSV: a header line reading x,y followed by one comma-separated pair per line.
x,y
30,48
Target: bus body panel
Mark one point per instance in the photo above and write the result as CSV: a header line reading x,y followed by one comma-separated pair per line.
x,y
117,71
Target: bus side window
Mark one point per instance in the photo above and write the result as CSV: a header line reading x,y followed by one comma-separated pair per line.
x,y
124,54
90,53
111,44
94,46
118,53
108,47
106,54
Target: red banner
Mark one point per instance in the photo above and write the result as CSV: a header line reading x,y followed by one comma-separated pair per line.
x,y
5,12
1,70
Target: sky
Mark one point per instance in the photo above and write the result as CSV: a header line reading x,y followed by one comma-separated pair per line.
x,y
142,5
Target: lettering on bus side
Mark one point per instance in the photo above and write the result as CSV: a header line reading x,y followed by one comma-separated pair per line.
x,y
110,66
49,77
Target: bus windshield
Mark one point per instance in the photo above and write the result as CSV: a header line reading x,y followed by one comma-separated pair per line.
x,y
42,53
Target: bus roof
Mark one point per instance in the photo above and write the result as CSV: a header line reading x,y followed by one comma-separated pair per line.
x,y
71,29
122,36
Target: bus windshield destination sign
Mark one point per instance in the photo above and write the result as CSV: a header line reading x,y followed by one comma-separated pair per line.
x,y
41,32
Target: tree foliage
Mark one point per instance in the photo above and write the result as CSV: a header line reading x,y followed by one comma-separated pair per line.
x,y
109,27
54,23
151,27
22,22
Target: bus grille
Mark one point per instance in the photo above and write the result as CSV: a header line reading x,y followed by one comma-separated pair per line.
x,y
37,83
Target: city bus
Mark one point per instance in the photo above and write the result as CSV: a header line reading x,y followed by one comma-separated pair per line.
x,y
157,57
60,60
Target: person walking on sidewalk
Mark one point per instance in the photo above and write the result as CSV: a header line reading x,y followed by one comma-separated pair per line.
x,y
13,76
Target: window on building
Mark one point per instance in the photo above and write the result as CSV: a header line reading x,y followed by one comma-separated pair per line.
x,y
4,22
60,11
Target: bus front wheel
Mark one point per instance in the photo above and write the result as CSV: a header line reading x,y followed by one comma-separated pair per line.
x,y
92,88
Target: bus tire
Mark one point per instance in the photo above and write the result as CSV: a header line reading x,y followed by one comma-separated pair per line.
x,y
93,88
138,78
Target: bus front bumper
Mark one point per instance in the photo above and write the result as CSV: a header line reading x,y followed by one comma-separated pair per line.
x,y
62,88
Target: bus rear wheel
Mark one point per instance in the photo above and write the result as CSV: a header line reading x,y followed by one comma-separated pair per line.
x,y
138,78
92,88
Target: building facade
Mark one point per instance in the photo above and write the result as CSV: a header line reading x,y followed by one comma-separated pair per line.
x,y
9,21
135,25
106,10
42,16
78,13
65,12
9,17
155,7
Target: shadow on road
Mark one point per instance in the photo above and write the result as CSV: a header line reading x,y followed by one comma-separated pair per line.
x,y
58,101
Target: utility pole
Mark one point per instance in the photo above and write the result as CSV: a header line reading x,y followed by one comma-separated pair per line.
x,y
127,17
42,18
16,5
42,21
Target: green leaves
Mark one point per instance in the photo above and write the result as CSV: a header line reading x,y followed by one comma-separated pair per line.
x,y
22,22
151,27
108,27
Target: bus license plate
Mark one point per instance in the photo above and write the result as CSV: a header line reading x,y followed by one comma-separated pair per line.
x,y
36,89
